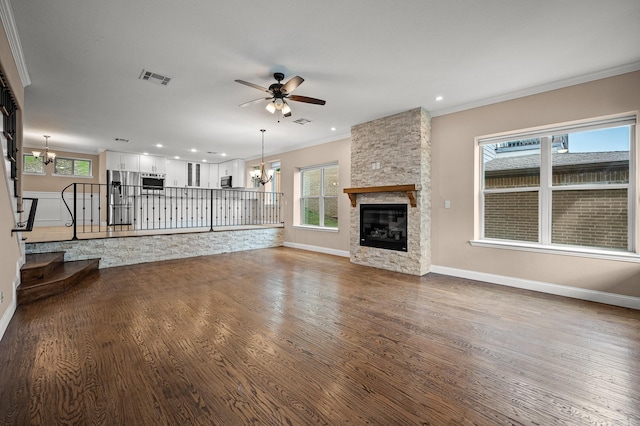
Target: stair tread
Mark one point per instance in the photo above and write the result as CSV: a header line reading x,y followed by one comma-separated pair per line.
x,y
40,260
65,271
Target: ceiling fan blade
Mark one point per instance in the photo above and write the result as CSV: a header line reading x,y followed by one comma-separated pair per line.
x,y
254,101
291,85
306,99
255,86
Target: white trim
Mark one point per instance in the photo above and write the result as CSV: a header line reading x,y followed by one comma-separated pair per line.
x,y
325,250
11,309
10,28
316,228
6,317
554,85
585,125
622,256
549,288
74,176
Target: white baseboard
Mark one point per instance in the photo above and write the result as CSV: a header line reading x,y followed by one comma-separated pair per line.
x,y
11,309
557,289
8,314
325,250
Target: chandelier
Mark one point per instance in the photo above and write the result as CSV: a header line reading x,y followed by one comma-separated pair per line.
x,y
262,176
48,156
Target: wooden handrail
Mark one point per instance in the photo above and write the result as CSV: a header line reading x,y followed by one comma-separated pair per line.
x,y
408,189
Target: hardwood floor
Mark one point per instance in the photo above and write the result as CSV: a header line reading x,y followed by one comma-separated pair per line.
x,y
284,336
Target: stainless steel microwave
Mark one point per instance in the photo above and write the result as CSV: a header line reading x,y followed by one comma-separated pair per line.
x,y
225,182
153,181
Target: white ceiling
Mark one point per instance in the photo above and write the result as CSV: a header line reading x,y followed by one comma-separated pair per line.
x,y
366,58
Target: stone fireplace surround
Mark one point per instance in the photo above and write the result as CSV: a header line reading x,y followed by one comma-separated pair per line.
x,y
389,156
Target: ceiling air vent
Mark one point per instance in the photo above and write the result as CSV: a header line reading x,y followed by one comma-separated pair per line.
x,y
122,140
155,78
302,121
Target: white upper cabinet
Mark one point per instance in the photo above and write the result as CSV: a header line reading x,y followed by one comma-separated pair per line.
x,y
123,161
214,177
197,175
152,164
235,169
176,173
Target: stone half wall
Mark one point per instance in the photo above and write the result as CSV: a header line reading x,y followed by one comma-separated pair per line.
x,y
401,145
152,248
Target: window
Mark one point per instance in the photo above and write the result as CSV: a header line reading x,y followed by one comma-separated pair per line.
x,y
565,187
319,200
72,167
32,164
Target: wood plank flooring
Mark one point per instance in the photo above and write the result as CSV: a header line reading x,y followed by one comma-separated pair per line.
x,y
289,337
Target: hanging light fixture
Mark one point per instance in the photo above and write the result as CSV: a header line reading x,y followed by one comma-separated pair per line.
x,y
48,156
262,176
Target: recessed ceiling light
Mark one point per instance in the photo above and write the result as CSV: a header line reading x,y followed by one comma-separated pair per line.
x,y
193,150
439,98
176,157
145,153
204,160
223,154
159,145
333,129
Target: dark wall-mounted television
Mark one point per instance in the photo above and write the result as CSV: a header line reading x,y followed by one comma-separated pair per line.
x,y
225,182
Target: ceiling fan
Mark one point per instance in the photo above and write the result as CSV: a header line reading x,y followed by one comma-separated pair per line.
x,y
280,94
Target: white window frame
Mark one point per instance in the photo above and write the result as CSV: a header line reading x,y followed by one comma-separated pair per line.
x,y
321,197
73,175
546,189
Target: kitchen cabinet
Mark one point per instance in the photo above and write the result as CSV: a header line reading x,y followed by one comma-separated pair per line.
x,y
152,164
176,173
214,177
235,169
123,161
197,175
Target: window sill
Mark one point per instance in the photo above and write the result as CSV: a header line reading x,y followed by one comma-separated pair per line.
x,y
315,228
592,253
34,174
72,176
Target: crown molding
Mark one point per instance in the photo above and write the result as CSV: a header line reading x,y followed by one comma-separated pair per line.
x,y
585,78
6,16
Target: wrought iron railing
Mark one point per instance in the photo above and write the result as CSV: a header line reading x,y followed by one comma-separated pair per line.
x,y
95,208
27,226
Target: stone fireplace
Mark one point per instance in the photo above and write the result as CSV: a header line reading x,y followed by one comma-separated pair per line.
x,y
391,165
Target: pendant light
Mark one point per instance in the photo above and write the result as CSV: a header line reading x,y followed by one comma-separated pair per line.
x,y
263,177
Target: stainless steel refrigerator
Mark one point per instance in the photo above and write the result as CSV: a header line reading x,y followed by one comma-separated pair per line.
x,y
123,193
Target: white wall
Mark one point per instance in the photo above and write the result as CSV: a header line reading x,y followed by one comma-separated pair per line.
x,y
454,179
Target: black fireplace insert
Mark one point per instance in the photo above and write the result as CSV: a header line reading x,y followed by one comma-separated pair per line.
x,y
384,226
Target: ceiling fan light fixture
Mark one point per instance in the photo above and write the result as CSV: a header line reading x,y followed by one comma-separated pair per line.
x,y
286,109
279,103
271,107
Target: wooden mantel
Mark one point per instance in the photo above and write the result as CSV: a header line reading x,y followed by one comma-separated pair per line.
x,y
408,189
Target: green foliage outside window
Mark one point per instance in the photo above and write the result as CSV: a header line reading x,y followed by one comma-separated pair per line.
x,y
33,164
320,197
72,167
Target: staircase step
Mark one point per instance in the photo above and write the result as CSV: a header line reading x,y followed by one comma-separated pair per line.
x,y
60,280
40,265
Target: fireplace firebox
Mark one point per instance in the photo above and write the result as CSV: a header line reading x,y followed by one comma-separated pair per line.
x,y
384,226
